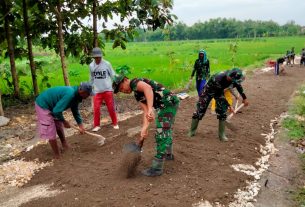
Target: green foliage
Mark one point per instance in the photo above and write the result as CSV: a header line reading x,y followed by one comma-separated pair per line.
x,y
233,49
169,63
124,69
296,129
299,196
85,59
5,80
222,28
299,103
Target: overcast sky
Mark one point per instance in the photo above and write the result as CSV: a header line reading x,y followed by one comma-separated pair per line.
x,y
280,11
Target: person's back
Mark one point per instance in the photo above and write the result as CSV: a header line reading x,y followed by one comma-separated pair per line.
x,y
49,107
50,98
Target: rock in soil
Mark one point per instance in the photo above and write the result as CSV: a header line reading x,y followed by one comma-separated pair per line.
x,y
4,121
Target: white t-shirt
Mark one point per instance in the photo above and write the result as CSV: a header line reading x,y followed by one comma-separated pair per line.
x,y
101,76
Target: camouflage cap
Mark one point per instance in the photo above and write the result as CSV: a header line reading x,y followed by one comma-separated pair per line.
x,y
201,51
117,80
237,75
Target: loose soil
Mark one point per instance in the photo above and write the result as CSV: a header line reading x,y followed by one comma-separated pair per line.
x,y
89,175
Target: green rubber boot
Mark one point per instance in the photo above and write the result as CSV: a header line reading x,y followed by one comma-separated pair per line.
x,y
156,168
193,127
221,131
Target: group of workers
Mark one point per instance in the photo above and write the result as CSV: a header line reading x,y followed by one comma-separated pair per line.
x,y
289,58
152,96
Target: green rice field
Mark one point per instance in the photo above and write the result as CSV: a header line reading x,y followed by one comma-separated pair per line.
x,y
169,62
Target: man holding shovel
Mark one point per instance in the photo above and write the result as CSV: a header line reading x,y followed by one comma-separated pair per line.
x,y
215,89
49,107
151,94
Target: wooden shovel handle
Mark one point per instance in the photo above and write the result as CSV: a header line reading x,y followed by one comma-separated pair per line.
x,y
236,110
89,133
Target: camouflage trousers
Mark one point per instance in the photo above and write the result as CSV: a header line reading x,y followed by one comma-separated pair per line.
x,y
205,99
164,129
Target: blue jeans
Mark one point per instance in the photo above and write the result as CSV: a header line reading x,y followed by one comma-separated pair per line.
x,y
199,85
277,69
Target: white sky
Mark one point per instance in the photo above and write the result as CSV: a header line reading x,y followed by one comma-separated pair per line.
x,y
280,11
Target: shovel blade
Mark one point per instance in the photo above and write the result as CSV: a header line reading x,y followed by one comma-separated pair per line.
x,y
131,147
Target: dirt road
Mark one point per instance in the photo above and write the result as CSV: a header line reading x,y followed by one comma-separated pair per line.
x,y
89,174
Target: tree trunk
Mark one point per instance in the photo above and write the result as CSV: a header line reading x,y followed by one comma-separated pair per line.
x,y
94,14
30,50
61,44
11,53
1,108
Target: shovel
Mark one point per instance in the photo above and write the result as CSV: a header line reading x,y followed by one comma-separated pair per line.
x,y
101,139
132,157
230,125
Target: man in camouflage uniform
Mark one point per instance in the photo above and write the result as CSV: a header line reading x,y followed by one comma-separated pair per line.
x,y
215,89
151,94
202,70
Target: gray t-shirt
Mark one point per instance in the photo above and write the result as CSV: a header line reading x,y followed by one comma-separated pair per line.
x,y
101,76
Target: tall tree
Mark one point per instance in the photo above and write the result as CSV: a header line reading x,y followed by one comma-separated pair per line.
x,y
6,14
59,19
94,14
29,42
148,14
67,14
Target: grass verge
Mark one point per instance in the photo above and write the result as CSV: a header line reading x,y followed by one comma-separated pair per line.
x,y
295,125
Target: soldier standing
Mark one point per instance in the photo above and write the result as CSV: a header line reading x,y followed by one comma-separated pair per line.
x,y
202,70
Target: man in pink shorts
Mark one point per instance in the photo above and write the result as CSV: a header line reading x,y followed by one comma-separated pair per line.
x,y
49,107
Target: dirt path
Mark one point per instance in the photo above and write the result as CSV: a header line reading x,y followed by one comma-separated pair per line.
x,y
89,174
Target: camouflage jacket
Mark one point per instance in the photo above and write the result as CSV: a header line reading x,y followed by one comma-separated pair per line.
x,y
162,96
219,82
202,69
